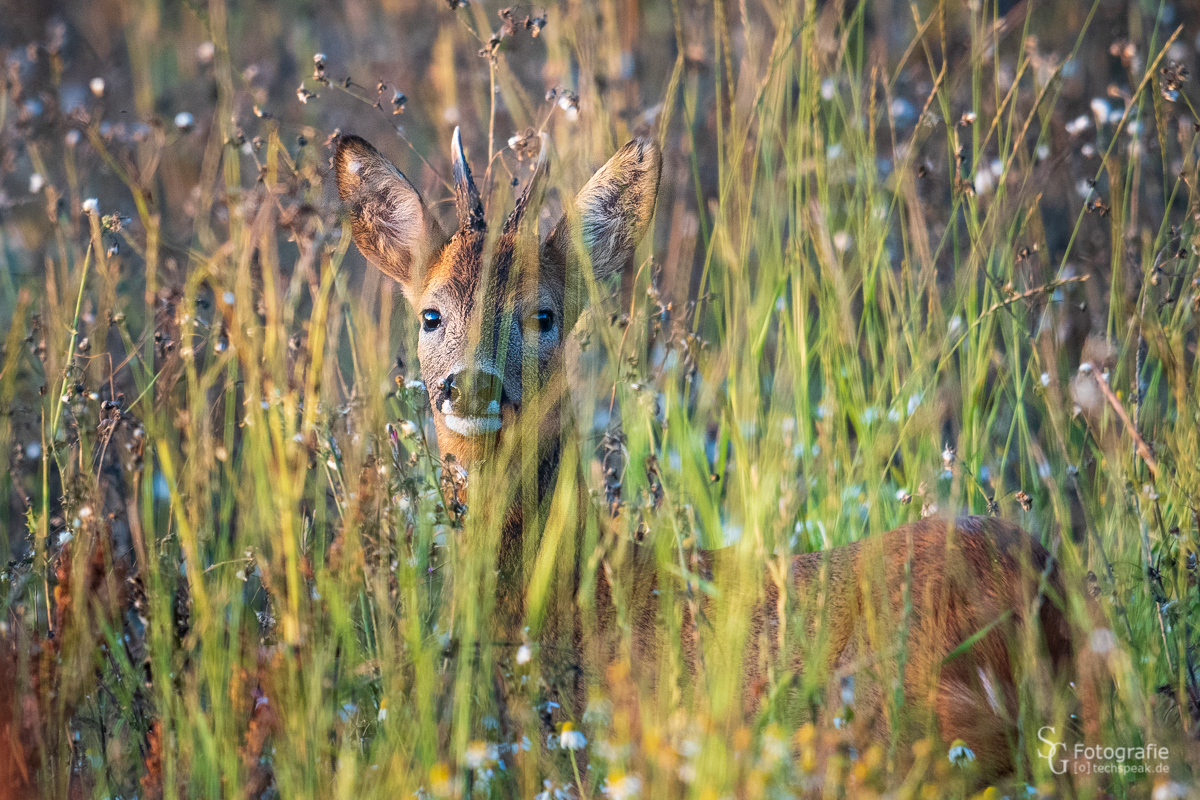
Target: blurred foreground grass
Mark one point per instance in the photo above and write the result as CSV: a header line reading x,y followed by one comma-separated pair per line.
x,y
907,260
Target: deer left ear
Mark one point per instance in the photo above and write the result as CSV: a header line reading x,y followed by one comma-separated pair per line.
x,y
612,213
392,226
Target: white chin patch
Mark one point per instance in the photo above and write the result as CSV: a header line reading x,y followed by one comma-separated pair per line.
x,y
473,426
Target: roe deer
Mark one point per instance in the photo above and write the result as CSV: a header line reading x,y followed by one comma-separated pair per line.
x,y
492,321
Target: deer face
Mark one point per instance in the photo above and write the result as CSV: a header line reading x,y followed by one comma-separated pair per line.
x,y
494,317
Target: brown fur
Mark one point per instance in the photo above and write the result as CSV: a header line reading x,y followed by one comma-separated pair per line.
x,y
43,678
960,577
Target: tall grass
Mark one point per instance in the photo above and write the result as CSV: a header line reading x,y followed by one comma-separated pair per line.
x,y
885,281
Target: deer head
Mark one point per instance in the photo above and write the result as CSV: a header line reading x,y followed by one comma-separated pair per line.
x,y
493,323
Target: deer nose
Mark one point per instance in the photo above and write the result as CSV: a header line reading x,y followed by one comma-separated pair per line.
x,y
473,393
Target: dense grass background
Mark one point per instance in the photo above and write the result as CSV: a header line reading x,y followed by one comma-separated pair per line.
x,y
907,260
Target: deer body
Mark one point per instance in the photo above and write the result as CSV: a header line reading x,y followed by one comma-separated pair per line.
x,y
927,588
491,345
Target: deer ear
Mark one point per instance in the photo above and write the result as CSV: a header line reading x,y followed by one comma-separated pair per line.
x,y
392,226
612,212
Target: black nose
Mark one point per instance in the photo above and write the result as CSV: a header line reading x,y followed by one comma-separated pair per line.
x,y
472,392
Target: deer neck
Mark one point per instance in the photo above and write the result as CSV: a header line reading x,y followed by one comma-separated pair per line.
x,y
525,519
522,527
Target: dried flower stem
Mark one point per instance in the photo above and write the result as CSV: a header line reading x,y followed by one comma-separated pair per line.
x,y
1028,293
1115,402
578,781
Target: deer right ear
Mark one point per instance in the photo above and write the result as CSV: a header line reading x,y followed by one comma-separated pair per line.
x,y
613,210
392,226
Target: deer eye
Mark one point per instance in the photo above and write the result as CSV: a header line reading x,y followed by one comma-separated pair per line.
x,y
545,320
431,319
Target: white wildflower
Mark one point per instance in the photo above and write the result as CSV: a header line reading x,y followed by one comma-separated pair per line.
x,y
477,754
984,182
623,787
571,739
960,755
1078,125
1169,790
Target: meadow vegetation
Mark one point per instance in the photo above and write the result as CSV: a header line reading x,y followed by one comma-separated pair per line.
x,y
908,260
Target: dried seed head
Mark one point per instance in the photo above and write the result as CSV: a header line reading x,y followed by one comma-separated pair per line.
x,y
569,102
1171,79
526,145
509,26
492,46
534,25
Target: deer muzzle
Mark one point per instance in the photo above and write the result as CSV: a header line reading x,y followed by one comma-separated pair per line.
x,y
470,402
